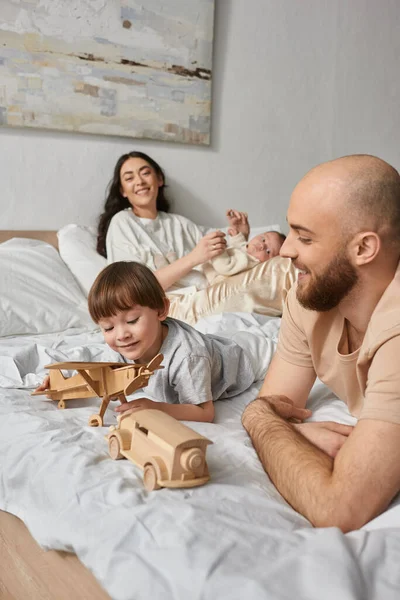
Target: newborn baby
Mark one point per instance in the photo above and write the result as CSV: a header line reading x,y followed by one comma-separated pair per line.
x,y
241,255
264,246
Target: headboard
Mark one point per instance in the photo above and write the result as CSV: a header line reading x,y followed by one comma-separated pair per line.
x,y
45,236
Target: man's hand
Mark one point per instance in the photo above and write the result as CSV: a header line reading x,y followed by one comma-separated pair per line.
x,y
238,223
328,436
280,405
138,404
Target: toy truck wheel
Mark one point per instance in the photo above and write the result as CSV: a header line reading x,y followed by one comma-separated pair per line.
x,y
96,421
114,448
150,478
61,404
192,459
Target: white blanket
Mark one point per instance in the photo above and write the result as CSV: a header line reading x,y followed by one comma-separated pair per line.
x,y
234,537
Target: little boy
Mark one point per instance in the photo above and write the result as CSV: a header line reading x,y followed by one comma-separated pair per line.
x,y
131,308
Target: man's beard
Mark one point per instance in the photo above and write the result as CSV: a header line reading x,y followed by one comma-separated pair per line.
x,y
326,290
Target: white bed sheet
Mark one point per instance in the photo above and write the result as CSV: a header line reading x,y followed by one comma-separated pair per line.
x,y
233,538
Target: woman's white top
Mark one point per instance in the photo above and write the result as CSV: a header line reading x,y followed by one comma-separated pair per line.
x,y
155,242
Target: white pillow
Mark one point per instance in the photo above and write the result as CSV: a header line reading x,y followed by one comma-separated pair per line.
x,y
77,247
38,293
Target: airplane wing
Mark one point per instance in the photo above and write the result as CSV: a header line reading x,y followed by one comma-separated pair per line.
x,y
42,393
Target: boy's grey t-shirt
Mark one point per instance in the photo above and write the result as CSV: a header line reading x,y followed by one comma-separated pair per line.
x,y
199,367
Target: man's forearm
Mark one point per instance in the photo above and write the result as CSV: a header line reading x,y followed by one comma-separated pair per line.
x,y
299,470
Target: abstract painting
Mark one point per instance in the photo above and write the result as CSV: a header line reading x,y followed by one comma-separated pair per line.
x,y
115,67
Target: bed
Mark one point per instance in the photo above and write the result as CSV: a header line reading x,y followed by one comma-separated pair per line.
x,y
92,530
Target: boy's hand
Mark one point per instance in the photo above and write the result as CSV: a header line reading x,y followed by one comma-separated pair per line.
x,y
138,404
45,385
238,221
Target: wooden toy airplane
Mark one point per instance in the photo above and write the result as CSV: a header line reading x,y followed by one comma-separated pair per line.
x,y
107,380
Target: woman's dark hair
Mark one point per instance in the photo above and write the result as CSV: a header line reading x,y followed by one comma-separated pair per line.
x,y
115,202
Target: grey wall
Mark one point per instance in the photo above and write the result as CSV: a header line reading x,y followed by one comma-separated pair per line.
x,y
295,83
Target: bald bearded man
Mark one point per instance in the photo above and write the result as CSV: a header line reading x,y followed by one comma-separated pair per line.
x,y
341,324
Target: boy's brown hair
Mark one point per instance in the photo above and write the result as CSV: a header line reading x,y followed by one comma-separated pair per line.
x,y
122,285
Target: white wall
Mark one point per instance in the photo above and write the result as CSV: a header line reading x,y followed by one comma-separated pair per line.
x,y
295,83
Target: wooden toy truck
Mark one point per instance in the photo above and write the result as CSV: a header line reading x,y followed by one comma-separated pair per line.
x,y
170,453
106,380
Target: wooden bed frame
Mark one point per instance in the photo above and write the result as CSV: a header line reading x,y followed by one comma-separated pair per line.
x,y
45,236
28,571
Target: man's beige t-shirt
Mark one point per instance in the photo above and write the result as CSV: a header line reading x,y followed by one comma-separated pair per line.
x,y
368,380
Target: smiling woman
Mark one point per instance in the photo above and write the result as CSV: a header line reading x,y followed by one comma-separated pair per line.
x,y
140,184
136,225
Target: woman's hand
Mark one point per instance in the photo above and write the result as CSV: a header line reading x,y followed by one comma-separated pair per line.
x,y
210,246
238,223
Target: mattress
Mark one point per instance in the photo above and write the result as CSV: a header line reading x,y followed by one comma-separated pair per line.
x,y
234,537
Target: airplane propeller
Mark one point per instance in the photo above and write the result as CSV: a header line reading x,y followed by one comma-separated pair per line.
x,y
144,373
155,363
